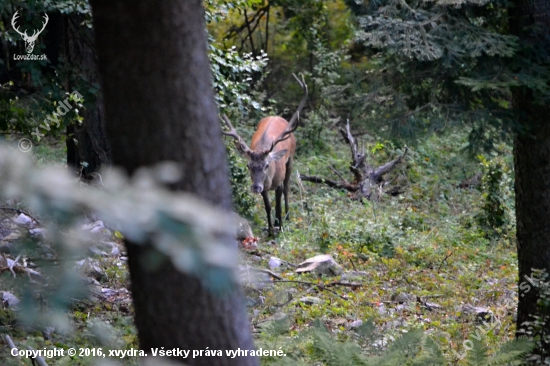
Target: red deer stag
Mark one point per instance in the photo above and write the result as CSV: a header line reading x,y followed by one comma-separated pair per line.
x,y
270,157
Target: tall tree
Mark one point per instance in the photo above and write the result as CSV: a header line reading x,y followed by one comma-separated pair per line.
x,y
530,21
445,63
87,146
160,106
434,64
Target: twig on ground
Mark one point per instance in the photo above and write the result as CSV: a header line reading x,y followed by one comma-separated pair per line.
x,y
39,360
271,273
20,212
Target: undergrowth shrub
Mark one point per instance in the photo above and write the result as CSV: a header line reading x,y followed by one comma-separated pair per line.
x,y
242,199
312,133
538,328
357,229
370,348
497,199
376,238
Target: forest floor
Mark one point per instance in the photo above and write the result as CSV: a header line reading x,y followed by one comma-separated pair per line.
x,y
420,260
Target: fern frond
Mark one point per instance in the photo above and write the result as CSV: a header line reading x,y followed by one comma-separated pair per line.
x,y
512,353
477,356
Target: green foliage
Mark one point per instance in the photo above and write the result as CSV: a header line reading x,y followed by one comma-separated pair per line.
x,y
514,352
538,329
333,353
367,235
291,32
232,73
34,89
497,187
429,65
217,10
14,114
326,71
313,137
233,77
411,348
172,227
242,200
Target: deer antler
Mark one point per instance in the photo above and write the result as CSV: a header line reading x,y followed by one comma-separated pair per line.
x,y
293,123
15,27
36,33
241,145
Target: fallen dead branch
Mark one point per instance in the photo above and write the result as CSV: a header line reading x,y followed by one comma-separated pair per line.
x,y
20,212
365,176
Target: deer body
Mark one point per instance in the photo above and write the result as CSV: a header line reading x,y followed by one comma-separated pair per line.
x,y
268,130
276,175
270,157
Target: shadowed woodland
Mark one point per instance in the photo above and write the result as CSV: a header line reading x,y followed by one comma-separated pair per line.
x,y
305,182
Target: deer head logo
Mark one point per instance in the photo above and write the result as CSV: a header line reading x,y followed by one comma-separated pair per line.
x,y
29,40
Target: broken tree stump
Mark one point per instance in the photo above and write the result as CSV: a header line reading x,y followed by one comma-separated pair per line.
x,y
365,176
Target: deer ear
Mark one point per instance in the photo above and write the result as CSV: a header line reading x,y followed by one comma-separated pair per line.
x,y
274,156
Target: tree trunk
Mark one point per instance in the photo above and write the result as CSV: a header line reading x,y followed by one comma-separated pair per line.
x,y
531,159
159,105
87,145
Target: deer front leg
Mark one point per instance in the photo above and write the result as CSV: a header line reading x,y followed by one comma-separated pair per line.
x,y
286,183
267,205
278,208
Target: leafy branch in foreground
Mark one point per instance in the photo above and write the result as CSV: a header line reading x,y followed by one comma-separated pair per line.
x,y
184,229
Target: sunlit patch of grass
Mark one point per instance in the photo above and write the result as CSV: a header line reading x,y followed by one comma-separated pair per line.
x,y
424,243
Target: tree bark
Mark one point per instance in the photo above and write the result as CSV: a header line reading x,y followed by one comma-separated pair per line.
x,y
159,105
87,145
531,158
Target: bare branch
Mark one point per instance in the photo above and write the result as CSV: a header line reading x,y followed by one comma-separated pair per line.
x,y
338,174
380,171
20,212
256,17
365,176
330,183
249,32
348,137
293,123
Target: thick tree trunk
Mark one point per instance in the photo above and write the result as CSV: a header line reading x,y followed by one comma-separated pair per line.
x,y
531,160
532,179
160,106
87,145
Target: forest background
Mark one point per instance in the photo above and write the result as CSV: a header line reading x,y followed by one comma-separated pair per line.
x,y
458,88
